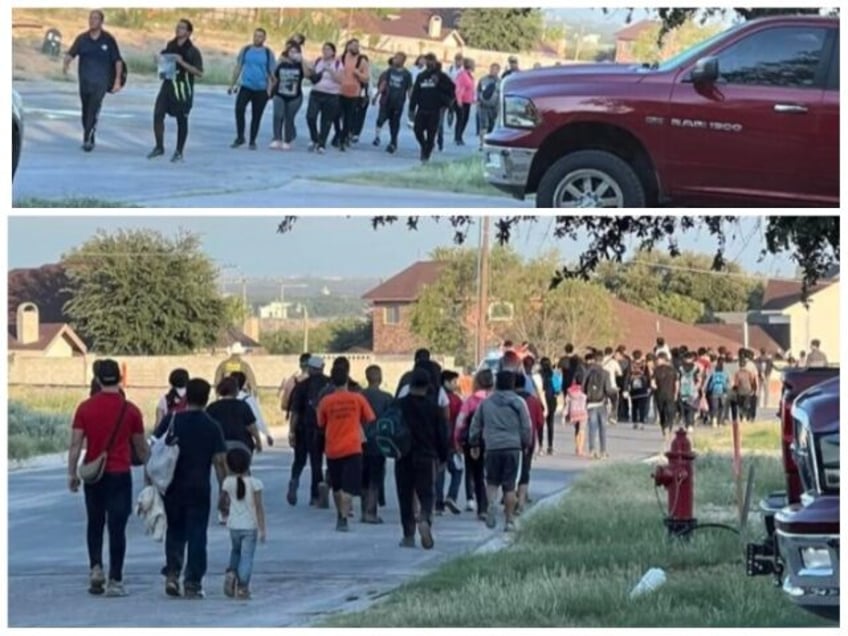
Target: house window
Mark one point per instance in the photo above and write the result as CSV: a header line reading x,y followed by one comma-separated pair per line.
x,y
391,315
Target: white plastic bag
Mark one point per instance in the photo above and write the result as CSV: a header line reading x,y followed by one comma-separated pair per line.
x,y
164,454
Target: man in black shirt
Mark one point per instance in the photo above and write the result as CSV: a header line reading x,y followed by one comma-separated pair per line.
x,y
433,91
180,63
395,87
187,506
415,473
305,437
665,383
99,72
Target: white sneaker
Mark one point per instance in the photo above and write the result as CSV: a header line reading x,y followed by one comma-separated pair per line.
x,y
222,520
276,145
471,506
115,589
287,147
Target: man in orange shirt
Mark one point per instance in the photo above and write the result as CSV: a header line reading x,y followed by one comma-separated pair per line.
x,y
341,415
356,75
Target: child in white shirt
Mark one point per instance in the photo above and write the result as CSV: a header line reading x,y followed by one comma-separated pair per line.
x,y
242,495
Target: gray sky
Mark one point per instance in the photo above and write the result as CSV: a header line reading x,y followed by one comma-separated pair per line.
x,y
331,246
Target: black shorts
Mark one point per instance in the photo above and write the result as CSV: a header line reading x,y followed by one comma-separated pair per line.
x,y
526,464
373,471
502,469
346,474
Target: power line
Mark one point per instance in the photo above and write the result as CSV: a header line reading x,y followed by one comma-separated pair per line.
x,y
710,272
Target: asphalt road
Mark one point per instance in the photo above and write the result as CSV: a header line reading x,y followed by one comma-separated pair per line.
x,y
304,572
213,175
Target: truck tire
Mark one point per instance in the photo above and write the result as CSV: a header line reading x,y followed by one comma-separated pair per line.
x,y
592,168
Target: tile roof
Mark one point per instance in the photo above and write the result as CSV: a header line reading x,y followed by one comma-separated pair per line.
x,y
407,23
632,31
407,285
639,329
758,338
232,335
781,294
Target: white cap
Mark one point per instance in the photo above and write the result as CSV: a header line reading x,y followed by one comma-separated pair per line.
x,y
236,349
315,362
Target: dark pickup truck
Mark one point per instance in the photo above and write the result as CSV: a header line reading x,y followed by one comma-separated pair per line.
x,y
748,117
801,547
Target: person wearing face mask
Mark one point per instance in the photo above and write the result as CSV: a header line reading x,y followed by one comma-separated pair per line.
x,y
326,77
174,401
288,95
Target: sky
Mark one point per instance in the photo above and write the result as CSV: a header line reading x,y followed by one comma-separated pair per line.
x,y
331,246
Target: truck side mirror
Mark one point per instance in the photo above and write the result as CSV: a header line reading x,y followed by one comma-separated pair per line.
x,y
705,71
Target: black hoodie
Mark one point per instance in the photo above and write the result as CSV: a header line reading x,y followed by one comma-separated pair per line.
x,y
433,91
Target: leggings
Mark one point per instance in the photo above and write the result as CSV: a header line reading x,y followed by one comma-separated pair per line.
x,y
285,110
327,106
159,113
463,114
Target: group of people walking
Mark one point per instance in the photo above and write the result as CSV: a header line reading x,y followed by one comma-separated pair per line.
x,y
340,95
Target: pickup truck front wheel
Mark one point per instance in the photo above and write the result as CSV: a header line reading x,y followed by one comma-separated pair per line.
x,y
590,179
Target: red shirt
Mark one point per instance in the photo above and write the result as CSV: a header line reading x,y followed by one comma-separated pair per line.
x,y
96,418
537,414
454,407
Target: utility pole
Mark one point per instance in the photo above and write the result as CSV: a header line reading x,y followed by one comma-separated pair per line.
x,y
483,289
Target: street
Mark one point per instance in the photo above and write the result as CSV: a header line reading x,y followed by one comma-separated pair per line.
x,y
305,572
213,175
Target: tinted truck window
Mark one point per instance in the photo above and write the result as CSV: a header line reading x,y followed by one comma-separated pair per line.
x,y
786,56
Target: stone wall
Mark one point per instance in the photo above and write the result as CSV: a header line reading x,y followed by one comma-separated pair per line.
x,y
152,372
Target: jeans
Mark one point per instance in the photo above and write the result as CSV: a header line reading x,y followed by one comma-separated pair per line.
x,y
718,408
551,403
392,114
426,128
361,111
688,410
315,446
241,553
108,503
301,452
188,519
257,100
285,110
415,476
598,426
349,107
475,468
327,106
453,487
641,405
91,99
463,114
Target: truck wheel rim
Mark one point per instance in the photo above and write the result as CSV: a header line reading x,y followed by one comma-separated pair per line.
x,y
588,188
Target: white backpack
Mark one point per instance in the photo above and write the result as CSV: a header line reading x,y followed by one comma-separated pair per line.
x,y
164,454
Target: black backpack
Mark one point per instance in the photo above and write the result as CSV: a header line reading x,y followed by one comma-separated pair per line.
x,y
124,70
389,435
593,386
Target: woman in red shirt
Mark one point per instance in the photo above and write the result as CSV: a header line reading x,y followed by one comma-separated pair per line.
x,y
465,95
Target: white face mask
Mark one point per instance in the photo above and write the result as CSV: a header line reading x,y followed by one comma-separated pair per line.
x,y
181,392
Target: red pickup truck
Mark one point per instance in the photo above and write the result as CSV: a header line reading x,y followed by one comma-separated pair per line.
x,y
801,547
749,117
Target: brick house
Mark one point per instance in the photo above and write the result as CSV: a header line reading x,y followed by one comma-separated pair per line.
x,y
392,302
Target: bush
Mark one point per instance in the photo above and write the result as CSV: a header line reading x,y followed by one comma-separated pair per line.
x,y
35,433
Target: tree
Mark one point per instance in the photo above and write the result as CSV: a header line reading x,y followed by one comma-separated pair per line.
x,y
651,47
138,292
46,286
575,311
684,287
510,30
673,18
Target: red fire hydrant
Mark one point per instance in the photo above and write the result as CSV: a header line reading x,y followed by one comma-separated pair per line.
x,y
678,478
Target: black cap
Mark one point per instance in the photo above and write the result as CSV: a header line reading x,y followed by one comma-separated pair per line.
x,y
108,373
